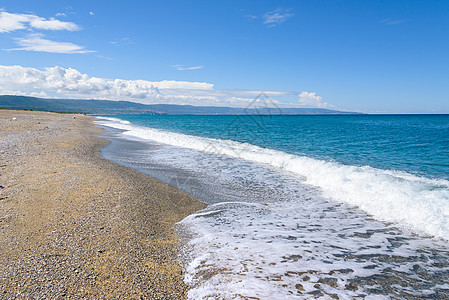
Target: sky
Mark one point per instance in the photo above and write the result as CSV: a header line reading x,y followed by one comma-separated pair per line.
x,y
365,56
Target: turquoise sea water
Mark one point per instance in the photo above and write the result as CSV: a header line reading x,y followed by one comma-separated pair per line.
x,y
418,144
302,206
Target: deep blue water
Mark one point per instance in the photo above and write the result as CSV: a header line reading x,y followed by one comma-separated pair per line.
x,y
417,144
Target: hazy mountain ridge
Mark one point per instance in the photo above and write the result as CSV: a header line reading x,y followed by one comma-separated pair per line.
x,y
127,107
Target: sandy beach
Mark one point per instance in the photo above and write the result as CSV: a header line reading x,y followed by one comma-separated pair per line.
x,y
73,225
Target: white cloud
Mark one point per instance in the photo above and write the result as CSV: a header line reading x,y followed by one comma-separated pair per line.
x,y
181,68
275,17
311,99
35,42
58,82
52,24
91,13
11,22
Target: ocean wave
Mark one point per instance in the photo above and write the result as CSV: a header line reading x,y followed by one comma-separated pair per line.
x,y
417,203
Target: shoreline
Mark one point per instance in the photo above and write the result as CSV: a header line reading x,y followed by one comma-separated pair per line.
x,y
76,225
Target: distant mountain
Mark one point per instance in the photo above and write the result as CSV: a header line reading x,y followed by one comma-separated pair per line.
x,y
127,107
71,105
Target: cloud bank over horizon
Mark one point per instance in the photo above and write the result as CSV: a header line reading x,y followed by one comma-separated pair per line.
x,y
311,99
59,82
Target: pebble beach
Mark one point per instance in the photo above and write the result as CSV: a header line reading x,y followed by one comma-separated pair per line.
x,y
74,225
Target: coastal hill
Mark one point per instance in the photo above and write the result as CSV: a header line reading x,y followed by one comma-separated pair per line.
x,y
127,107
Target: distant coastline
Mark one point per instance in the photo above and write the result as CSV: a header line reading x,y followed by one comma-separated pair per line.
x,y
127,107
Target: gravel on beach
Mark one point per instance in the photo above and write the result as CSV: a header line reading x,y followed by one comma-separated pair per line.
x,y
74,225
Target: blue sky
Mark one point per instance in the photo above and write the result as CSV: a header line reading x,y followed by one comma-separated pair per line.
x,y
368,56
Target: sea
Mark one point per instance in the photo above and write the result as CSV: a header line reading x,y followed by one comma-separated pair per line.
x,y
300,207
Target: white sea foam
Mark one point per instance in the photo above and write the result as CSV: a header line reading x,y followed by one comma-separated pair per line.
x,y
417,203
284,250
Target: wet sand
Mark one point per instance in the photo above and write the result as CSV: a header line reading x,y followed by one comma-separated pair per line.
x,y
73,225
